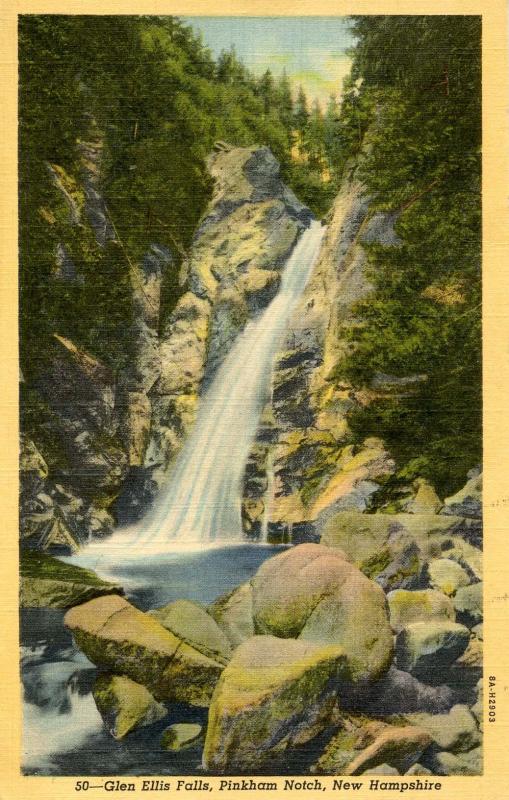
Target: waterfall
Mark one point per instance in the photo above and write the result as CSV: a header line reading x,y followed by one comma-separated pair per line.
x,y
202,499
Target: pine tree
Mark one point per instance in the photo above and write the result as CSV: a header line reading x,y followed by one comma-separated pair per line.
x,y
285,101
301,115
266,90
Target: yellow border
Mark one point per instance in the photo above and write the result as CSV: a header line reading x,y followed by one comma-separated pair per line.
x,y
494,783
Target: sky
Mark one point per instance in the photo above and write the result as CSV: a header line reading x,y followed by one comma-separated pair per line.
x,y
311,49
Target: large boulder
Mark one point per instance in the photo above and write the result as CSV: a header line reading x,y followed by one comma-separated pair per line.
x,y
275,693
233,613
119,638
191,623
125,705
314,593
456,731
46,582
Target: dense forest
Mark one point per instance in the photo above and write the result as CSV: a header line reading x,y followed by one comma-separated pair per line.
x,y
150,96
153,93
412,113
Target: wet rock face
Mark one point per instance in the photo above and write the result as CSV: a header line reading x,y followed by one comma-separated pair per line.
x,y
65,501
309,403
232,272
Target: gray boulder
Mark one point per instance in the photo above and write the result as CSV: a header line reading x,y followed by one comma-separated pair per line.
x,y
468,501
426,649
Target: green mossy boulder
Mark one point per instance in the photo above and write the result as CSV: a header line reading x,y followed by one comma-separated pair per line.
x,y
314,593
181,735
46,582
456,731
274,693
447,575
125,705
118,637
426,649
419,606
233,612
191,623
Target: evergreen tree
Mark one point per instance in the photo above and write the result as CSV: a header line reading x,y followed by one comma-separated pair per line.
x,y
422,165
284,101
266,90
301,114
314,144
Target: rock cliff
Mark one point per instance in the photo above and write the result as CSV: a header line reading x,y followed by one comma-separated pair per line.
x,y
110,439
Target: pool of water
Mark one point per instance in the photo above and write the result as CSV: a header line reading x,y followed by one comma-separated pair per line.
x,y
63,731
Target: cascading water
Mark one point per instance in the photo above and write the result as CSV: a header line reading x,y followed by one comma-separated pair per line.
x,y
202,500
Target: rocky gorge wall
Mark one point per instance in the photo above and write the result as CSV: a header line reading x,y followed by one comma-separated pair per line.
x,y
118,435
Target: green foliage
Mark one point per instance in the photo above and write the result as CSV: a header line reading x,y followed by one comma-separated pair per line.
x,y
415,125
149,94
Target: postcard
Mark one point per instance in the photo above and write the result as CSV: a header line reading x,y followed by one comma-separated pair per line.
x,y
255,362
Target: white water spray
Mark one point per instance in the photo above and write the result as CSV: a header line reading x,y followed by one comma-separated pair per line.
x,y
202,500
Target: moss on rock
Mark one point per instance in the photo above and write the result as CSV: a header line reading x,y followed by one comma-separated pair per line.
x,y
125,705
120,638
46,582
274,693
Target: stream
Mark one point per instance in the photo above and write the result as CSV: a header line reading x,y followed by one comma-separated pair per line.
x,y
63,731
